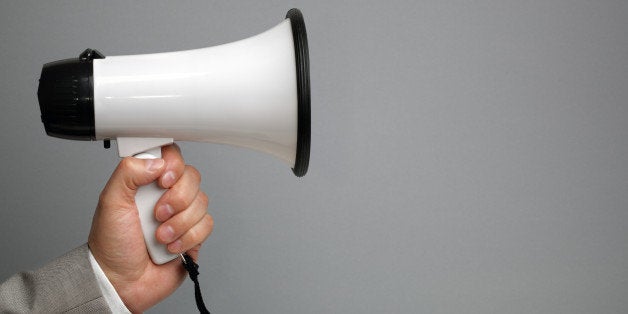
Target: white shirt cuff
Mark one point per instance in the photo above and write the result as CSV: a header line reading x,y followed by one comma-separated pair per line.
x,y
108,291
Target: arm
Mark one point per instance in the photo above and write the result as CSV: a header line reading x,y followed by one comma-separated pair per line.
x,y
116,239
67,284
117,246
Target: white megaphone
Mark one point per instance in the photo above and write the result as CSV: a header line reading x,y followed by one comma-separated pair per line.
x,y
252,93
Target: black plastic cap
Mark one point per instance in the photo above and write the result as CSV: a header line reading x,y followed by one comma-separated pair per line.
x,y
299,37
66,97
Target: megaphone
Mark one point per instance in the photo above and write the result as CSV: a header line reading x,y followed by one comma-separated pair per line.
x,y
252,93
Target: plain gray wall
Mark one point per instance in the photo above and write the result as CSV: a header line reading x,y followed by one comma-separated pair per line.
x,y
467,156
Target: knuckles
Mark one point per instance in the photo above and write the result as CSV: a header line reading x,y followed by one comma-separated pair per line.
x,y
193,173
177,197
204,199
209,220
182,195
126,164
198,235
177,164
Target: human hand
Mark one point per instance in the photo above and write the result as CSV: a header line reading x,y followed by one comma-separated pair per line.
x,y
116,239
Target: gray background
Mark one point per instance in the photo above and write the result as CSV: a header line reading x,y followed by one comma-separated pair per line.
x,y
467,156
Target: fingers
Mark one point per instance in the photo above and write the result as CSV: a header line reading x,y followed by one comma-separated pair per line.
x,y
187,228
175,165
180,196
130,174
174,227
193,237
183,207
134,172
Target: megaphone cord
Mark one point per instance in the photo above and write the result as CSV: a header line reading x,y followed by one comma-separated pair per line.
x,y
192,269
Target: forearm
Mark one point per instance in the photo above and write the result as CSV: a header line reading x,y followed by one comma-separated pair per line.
x,y
67,284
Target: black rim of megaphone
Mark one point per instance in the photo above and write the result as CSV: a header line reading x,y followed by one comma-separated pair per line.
x,y
302,158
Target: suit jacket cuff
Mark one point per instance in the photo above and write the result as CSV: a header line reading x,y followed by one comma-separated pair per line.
x,y
106,288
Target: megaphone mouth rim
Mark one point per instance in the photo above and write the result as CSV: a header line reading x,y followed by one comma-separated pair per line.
x,y
302,62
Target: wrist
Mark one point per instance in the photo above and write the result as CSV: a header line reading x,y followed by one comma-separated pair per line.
x,y
108,291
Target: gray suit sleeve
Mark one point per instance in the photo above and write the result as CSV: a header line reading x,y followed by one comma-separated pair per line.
x,y
66,285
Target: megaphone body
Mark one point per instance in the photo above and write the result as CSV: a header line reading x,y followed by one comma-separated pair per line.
x,y
252,93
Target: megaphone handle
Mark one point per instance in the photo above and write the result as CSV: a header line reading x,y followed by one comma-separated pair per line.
x,y
146,198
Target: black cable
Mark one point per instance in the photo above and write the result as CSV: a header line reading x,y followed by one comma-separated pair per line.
x,y
192,268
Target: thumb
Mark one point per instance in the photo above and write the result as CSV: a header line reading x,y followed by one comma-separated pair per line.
x,y
130,174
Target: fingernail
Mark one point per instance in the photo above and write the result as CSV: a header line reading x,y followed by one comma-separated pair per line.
x,y
175,247
164,212
167,234
168,179
154,164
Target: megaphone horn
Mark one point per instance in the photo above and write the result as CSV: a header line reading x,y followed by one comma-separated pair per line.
x,y
252,93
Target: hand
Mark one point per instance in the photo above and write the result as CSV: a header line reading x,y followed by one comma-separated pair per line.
x,y
116,239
